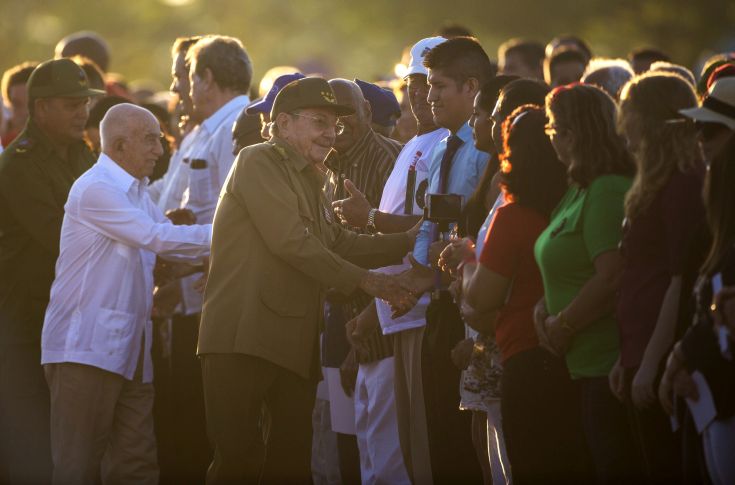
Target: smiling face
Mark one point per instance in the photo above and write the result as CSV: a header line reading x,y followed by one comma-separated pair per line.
x,y
451,102
142,149
357,124
311,132
418,91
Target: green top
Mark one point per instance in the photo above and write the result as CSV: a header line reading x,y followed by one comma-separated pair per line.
x,y
34,186
586,223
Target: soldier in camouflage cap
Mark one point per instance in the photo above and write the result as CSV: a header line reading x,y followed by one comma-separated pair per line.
x,y
36,173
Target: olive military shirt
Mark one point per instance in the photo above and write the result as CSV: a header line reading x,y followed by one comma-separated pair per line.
x,y
34,185
275,251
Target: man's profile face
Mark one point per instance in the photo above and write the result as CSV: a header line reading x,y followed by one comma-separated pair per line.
x,y
450,102
311,132
63,118
143,148
180,82
197,91
418,91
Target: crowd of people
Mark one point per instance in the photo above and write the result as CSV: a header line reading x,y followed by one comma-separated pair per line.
x,y
512,271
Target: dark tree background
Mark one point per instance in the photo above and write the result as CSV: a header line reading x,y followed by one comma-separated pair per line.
x,y
355,39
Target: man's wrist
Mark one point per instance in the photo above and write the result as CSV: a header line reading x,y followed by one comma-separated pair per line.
x,y
370,225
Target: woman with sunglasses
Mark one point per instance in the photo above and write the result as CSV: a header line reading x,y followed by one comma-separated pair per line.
x,y
580,265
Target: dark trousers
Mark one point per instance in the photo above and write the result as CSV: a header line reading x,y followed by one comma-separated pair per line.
x,y
609,439
25,442
543,433
349,459
453,458
657,447
181,435
235,387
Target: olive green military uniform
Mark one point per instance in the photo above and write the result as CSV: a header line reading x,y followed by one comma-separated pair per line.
x,y
275,251
34,185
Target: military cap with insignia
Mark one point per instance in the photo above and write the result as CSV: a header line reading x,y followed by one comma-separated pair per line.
x,y
309,92
60,78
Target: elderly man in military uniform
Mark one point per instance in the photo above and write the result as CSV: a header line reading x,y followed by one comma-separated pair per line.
x,y
36,173
275,250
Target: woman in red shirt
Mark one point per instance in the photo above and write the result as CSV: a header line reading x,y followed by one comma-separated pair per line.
x,y
542,436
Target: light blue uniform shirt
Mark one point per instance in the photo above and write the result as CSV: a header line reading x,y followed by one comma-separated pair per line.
x,y
464,176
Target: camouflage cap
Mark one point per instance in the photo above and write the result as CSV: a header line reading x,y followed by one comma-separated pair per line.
x,y
309,92
60,78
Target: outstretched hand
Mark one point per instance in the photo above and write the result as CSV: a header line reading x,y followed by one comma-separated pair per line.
x,y
400,295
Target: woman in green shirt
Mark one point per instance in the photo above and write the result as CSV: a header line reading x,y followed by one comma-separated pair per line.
x,y
580,266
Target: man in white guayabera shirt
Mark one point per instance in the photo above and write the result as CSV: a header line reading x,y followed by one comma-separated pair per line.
x,y
97,333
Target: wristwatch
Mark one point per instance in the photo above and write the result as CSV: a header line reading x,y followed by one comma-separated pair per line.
x,y
370,226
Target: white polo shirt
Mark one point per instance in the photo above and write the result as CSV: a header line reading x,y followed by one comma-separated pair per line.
x,y
416,152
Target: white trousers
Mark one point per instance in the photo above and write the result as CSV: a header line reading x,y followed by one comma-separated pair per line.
x,y
376,423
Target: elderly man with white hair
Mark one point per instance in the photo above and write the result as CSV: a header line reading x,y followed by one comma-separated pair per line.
x,y
97,333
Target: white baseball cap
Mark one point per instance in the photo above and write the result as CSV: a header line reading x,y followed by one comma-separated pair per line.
x,y
718,106
418,52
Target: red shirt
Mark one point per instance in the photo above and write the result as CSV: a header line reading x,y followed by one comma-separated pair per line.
x,y
508,251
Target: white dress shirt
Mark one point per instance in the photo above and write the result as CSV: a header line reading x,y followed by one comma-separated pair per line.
x,y
416,152
209,161
168,191
101,299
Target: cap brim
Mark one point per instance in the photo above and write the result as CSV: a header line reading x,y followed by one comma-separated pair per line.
x,y
416,70
708,116
257,108
339,109
84,93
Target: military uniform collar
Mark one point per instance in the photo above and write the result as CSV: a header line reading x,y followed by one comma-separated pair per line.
x,y
33,138
288,153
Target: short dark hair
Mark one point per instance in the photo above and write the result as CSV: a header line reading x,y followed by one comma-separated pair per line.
x,y
95,76
460,58
572,40
452,30
226,58
531,173
567,54
490,91
590,114
530,51
87,44
16,75
521,92
182,44
648,53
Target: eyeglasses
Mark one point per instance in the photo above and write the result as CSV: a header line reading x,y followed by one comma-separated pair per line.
x,y
322,125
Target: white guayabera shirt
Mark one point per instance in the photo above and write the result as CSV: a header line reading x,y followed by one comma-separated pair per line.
x,y
101,299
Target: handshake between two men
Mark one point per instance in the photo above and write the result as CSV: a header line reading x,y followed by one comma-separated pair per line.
x,y
401,291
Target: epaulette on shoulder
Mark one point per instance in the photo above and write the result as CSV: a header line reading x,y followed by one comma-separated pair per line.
x,y
23,146
280,152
